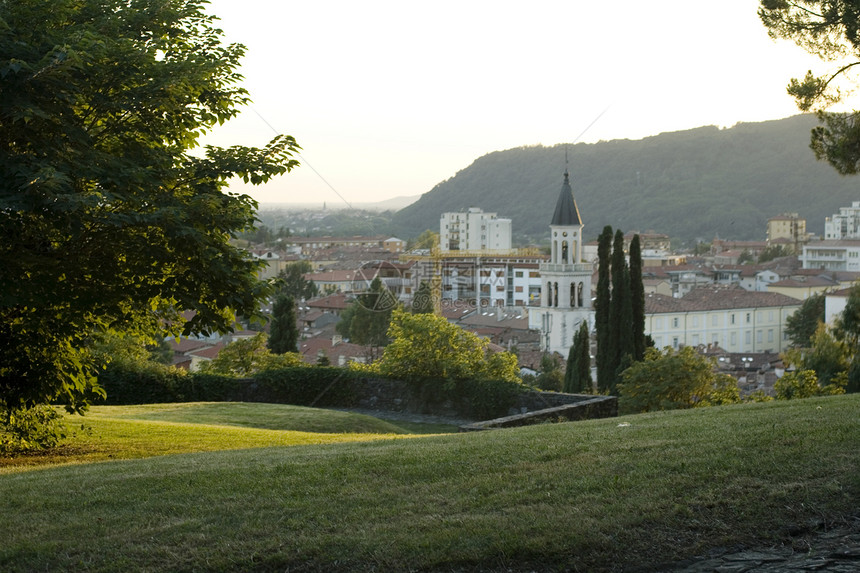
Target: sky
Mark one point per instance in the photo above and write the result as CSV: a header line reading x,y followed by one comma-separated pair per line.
x,y
389,98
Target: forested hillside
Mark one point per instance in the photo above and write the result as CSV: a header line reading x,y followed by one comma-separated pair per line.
x,y
694,184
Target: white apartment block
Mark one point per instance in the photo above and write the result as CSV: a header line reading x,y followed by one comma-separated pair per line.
x,y
832,255
493,281
474,230
734,319
845,224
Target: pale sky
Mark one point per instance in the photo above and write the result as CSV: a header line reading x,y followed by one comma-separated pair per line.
x,y
389,98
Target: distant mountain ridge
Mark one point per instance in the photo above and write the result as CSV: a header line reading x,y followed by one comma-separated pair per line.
x,y
693,184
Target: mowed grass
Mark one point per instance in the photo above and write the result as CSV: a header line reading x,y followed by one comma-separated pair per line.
x,y
125,432
630,493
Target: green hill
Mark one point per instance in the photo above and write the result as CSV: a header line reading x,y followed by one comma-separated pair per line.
x,y
635,493
694,184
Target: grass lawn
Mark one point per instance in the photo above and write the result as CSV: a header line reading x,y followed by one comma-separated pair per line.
x,y
623,493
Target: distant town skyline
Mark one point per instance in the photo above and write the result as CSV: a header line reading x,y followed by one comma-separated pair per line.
x,y
388,99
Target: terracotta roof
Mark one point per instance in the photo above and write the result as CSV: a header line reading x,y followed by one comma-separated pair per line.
x,y
332,302
210,352
712,298
186,345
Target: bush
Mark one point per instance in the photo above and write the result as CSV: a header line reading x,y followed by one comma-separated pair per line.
x,y
30,429
303,386
804,384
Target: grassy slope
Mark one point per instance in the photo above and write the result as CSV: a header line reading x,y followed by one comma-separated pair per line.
x,y
125,432
594,495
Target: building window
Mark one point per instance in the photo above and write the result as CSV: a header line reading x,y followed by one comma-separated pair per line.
x,y
732,318
518,289
675,322
715,320
518,274
747,337
759,336
770,335
734,339
749,316
675,342
659,324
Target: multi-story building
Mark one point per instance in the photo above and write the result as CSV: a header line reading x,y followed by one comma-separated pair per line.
x,y
732,318
832,255
474,230
845,224
788,229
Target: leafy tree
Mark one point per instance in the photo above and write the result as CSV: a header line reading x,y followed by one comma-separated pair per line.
x,y
426,240
829,30
605,353
637,299
422,302
828,356
745,257
248,356
803,323
426,346
283,333
291,281
803,384
670,379
371,315
108,221
577,377
550,377
774,252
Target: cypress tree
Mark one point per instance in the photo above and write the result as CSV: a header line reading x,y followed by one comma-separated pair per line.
x,y
637,299
570,369
581,379
422,302
620,314
605,371
283,332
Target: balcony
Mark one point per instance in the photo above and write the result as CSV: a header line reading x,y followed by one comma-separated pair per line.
x,y
562,268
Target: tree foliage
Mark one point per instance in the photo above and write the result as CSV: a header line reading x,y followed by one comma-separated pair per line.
x,y
422,302
428,346
108,221
670,380
249,356
637,299
577,377
829,29
291,281
803,323
371,315
283,332
804,384
605,370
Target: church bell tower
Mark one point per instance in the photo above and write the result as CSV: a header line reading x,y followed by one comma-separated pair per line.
x,y
565,279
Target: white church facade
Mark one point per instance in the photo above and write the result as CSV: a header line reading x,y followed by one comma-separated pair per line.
x,y
565,279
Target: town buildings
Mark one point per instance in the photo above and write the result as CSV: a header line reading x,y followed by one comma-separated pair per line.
x,y
731,318
474,230
845,224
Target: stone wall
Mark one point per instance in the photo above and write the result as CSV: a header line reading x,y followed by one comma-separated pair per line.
x,y
582,408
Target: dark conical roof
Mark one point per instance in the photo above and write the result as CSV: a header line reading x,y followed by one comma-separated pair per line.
x,y
566,212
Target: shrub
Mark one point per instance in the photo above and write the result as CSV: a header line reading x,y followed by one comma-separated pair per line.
x,y
30,429
804,384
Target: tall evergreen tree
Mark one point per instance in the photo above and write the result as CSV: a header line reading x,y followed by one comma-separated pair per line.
x,y
371,316
620,313
637,299
577,378
422,302
605,370
283,332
